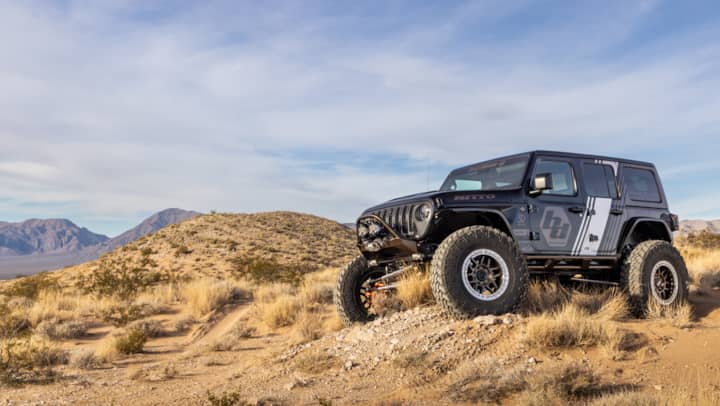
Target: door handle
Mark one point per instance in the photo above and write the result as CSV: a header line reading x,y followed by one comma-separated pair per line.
x,y
616,212
576,209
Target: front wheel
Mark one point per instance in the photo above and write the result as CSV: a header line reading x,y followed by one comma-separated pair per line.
x,y
354,294
654,272
479,270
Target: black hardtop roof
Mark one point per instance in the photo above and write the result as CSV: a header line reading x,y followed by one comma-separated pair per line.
x,y
590,156
565,155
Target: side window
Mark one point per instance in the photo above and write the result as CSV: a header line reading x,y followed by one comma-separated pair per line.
x,y
600,180
640,185
563,177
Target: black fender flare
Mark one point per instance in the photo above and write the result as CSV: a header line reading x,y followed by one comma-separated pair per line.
x,y
472,210
640,220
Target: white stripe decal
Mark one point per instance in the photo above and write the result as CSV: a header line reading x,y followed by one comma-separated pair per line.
x,y
597,226
583,234
578,238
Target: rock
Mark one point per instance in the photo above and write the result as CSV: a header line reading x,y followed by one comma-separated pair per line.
x,y
349,364
507,320
532,360
487,320
657,387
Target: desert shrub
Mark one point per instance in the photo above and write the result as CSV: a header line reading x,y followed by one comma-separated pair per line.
x,y
307,327
130,342
150,328
121,314
206,295
315,362
562,384
228,398
183,324
83,359
704,239
121,281
545,296
680,315
269,271
62,330
480,380
280,313
31,286
12,324
570,326
28,360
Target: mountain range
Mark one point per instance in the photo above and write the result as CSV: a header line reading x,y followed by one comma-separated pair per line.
x,y
39,245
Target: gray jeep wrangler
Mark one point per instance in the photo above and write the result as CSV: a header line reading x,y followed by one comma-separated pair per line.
x,y
494,224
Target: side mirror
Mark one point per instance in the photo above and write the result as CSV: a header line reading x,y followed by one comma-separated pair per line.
x,y
542,181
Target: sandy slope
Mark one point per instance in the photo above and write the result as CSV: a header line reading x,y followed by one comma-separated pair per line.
x,y
371,362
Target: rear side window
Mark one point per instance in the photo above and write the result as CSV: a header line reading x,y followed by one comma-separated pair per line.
x,y
600,180
562,176
640,185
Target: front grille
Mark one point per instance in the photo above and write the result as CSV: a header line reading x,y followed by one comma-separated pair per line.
x,y
400,218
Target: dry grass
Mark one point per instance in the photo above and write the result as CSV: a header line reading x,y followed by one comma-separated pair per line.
x,y
29,360
62,330
119,343
207,295
308,327
544,296
680,315
570,326
480,380
230,341
281,313
83,359
267,293
703,266
414,289
149,327
316,362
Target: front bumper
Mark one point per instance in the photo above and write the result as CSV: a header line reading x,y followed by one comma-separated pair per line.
x,y
388,245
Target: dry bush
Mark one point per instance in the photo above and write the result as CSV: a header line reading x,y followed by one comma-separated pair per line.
x,y
206,295
334,322
316,362
83,359
680,315
620,342
62,330
314,294
545,296
308,327
149,327
562,384
12,323
28,360
119,343
280,313
480,380
615,306
414,289
570,326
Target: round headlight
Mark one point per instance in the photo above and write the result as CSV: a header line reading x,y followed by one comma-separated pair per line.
x,y
362,231
423,212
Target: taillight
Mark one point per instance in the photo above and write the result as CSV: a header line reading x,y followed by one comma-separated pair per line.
x,y
675,220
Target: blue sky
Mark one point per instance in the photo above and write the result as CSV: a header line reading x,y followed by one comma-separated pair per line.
x,y
112,110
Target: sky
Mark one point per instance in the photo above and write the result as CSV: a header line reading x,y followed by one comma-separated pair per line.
x,y
112,110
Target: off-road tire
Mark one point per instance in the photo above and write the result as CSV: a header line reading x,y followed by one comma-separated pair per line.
x,y
637,268
446,273
346,296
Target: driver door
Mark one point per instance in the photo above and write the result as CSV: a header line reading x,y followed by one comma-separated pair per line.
x,y
557,214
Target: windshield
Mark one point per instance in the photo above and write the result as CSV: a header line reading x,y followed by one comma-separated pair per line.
x,y
500,174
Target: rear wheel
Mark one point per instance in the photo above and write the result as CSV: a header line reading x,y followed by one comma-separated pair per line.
x,y
654,272
479,270
355,291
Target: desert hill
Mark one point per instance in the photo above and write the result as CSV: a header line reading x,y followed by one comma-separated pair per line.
x,y
277,245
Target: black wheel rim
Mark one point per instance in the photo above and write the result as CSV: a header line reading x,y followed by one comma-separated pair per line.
x,y
664,283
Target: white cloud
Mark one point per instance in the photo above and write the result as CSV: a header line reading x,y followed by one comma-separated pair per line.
x,y
137,109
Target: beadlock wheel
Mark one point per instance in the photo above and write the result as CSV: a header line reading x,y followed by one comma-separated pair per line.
x,y
485,274
664,283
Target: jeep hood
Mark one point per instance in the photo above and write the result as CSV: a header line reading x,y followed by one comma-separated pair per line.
x,y
449,199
